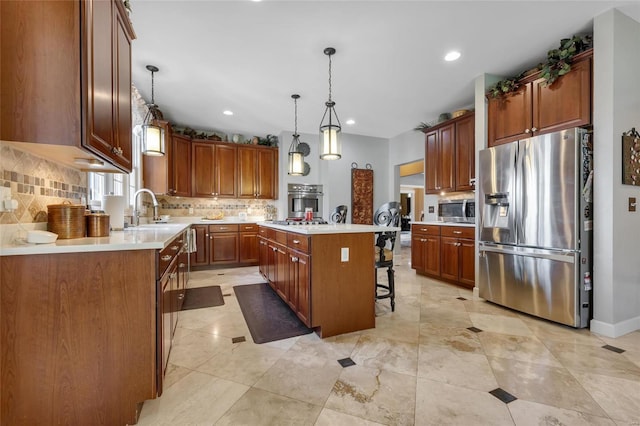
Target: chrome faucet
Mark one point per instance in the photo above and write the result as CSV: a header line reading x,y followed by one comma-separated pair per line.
x,y
136,212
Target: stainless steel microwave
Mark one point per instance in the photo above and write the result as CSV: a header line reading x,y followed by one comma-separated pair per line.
x,y
463,210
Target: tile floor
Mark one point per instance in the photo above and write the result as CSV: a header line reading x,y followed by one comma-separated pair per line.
x,y
438,359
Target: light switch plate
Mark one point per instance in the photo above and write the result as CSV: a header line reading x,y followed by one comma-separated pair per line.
x,y
632,204
344,254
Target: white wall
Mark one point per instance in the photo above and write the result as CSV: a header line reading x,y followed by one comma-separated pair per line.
x,y
404,148
616,109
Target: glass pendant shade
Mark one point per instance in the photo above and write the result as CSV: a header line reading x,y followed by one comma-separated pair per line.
x,y
152,140
296,157
330,147
152,135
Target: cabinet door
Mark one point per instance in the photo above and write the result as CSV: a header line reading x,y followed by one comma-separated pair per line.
x,y
267,172
262,256
99,119
282,272
449,258
564,104
465,153
201,256
418,251
303,288
431,167
122,93
467,263
225,162
510,117
446,136
432,256
249,251
180,176
183,277
202,180
224,248
271,264
247,165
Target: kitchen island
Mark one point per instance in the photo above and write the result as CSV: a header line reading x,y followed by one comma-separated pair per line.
x,y
325,273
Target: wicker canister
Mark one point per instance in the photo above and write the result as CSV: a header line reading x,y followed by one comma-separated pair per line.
x,y
66,220
97,225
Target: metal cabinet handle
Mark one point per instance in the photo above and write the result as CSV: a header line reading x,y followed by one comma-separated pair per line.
x,y
423,229
182,265
206,235
175,248
223,228
166,257
457,232
533,129
526,130
247,227
274,249
211,237
181,296
296,241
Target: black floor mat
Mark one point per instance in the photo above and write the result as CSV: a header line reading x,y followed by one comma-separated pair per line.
x,y
202,297
267,316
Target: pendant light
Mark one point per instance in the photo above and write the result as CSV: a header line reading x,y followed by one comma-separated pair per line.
x,y
296,157
152,135
330,125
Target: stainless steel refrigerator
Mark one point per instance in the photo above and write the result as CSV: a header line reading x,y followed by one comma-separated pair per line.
x,y
536,226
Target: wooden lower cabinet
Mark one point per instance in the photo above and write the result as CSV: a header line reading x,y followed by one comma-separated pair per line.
x,y
328,295
299,285
446,252
78,336
226,245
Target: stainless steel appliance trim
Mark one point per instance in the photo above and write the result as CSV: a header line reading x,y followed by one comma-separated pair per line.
x,y
567,256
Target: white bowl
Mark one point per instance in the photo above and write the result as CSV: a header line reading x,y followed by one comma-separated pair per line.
x,y
41,237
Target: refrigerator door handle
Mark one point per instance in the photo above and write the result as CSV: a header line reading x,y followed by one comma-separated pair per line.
x,y
561,256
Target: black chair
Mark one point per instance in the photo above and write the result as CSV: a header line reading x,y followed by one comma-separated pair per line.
x,y
339,215
387,215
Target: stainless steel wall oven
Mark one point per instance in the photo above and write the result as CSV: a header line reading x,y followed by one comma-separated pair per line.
x,y
302,196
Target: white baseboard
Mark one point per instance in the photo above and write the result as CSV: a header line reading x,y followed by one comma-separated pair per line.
x,y
617,329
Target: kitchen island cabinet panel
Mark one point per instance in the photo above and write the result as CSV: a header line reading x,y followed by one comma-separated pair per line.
x,y
78,337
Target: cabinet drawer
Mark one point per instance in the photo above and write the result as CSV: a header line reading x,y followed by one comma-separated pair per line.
x,y
267,233
281,237
426,229
167,254
223,228
298,242
249,227
458,232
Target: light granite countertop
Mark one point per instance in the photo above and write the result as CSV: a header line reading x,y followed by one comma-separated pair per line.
x,y
435,222
337,228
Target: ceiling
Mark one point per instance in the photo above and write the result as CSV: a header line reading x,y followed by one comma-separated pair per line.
x,y
388,73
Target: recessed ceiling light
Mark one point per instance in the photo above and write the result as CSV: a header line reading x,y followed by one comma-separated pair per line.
x,y
227,112
351,122
452,56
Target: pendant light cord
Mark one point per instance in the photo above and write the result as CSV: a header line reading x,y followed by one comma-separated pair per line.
x,y
329,78
295,115
153,102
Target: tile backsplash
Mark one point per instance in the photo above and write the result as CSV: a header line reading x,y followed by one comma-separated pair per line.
x,y
206,207
36,182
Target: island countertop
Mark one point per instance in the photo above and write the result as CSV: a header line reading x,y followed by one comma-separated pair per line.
x,y
337,228
438,223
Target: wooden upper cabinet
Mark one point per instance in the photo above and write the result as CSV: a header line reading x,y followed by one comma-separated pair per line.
x,y
431,169
537,109
66,78
564,104
214,170
440,153
169,174
257,172
510,116
465,153
180,175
